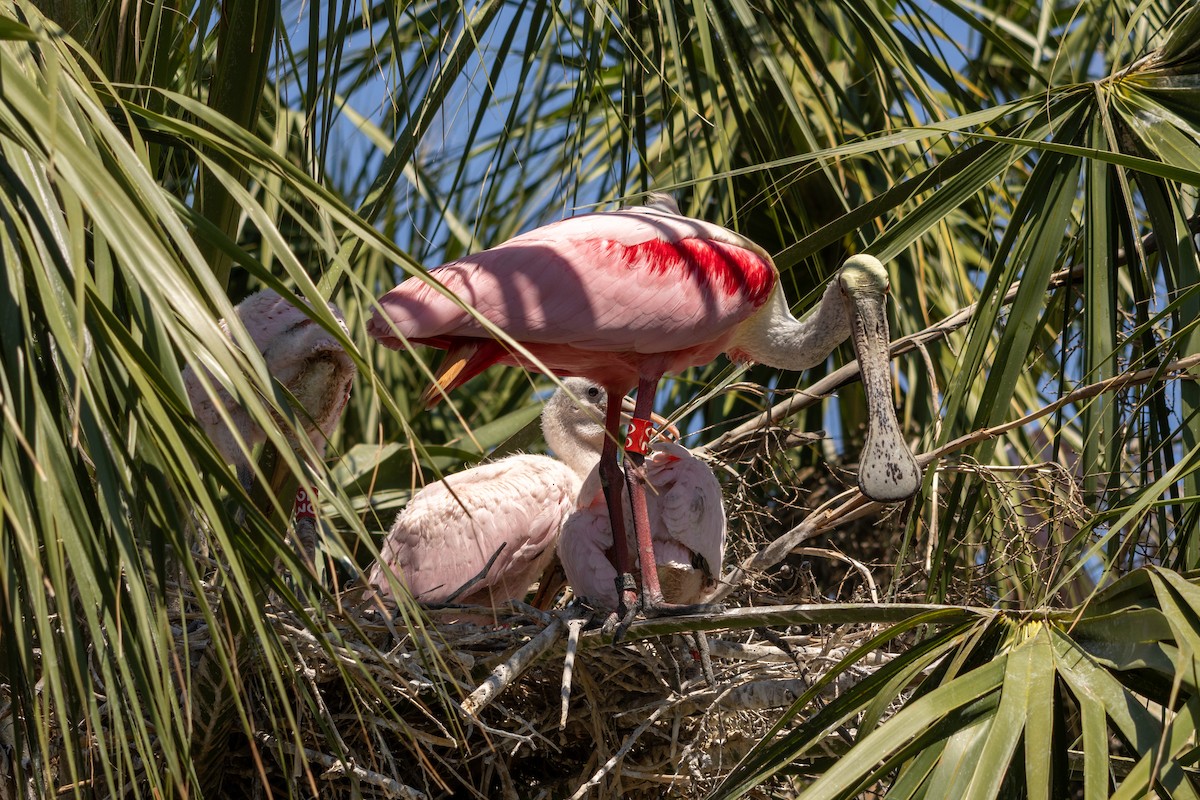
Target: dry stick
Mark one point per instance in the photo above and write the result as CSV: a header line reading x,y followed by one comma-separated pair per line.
x,y
335,766
759,695
480,576
591,695
848,372
573,628
858,565
771,554
1082,393
626,746
830,513
505,673
726,650
932,539
705,653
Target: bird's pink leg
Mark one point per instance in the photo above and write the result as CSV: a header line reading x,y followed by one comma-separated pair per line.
x,y
635,474
636,445
611,477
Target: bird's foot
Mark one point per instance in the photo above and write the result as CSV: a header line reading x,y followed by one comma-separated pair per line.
x,y
622,626
609,625
627,608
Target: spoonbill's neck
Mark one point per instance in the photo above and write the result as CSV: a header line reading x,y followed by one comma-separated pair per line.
x,y
854,306
776,338
578,448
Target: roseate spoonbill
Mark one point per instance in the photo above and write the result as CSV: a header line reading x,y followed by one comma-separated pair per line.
x,y
303,357
512,509
623,297
687,524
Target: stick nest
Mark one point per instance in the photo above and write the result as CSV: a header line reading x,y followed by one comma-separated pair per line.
x,y
385,715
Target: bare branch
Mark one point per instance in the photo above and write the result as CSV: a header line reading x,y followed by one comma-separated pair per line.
x,y
508,671
336,767
1177,368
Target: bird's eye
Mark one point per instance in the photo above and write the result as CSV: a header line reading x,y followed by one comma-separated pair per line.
x,y
593,392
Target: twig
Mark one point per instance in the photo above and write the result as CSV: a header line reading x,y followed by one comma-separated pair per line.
x,y
500,733
752,696
1082,393
335,767
705,654
939,330
848,372
505,673
934,481
853,505
771,554
858,565
724,650
574,626
626,746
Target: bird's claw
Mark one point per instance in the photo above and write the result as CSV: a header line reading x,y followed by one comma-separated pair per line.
x,y
627,607
621,626
609,626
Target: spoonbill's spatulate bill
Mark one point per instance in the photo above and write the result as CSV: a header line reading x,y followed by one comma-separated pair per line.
x,y
623,297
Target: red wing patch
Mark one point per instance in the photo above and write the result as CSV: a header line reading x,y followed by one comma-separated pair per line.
x,y
723,267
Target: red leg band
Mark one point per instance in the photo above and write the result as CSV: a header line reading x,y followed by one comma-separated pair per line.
x,y
638,438
304,504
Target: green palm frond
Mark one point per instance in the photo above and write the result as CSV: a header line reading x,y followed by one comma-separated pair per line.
x,y
107,484
1028,172
1011,705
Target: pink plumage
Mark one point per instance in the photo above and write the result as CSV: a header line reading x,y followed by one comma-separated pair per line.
x,y
624,297
687,523
449,530
611,296
300,354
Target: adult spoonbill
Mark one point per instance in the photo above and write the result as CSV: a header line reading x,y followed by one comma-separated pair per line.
x,y
512,509
623,297
687,524
306,360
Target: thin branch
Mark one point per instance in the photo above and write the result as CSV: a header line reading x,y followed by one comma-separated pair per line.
x,y
758,695
851,504
573,629
336,767
932,539
504,674
856,564
725,650
1082,393
626,746
848,372
846,507
457,593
